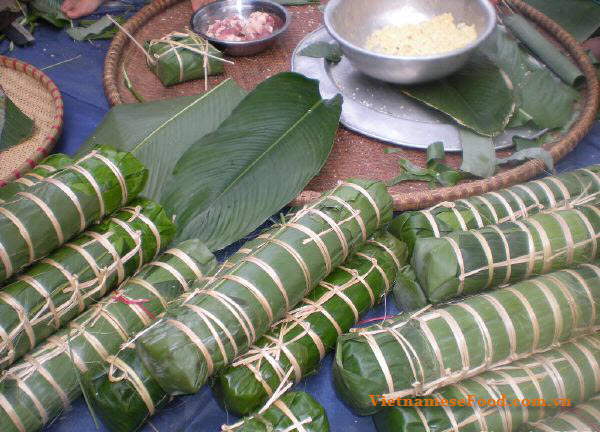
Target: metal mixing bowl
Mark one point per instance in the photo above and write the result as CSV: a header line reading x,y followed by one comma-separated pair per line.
x,y
351,22
221,9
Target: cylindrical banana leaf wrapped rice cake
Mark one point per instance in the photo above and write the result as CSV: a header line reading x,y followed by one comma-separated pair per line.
x,y
413,355
294,411
294,347
526,391
54,210
38,388
468,262
214,326
179,57
46,168
504,205
58,288
126,394
579,418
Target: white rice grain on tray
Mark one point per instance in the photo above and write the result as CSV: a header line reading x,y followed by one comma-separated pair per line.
x,y
437,35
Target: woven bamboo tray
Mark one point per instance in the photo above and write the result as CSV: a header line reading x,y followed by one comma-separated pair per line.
x,y
353,155
37,96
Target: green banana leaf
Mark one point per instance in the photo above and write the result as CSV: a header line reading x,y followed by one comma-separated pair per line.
x,y
543,48
295,411
121,403
296,345
581,18
164,129
282,265
55,290
479,96
564,376
50,11
581,417
85,347
414,354
15,126
45,168
478,154
275,141
56,209
540,99
103,28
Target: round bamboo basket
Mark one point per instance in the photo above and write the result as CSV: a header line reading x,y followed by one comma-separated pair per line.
x,y
38,97
353,155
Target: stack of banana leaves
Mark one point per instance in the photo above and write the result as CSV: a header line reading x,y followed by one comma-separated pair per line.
x,y
126,394
213,326
295,411
582,417
505,208
46,168
51,212
505,398
416,353
36,389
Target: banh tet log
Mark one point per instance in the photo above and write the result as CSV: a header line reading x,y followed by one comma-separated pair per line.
x,y
46,168
42,385
214,326
568,374
179,57
122,391
59,207
294,411
415,354
58,288
468,262
504,205
295,346
581,417
125,394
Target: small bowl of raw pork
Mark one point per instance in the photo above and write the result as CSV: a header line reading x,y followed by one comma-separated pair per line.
x,y
409,41
241,27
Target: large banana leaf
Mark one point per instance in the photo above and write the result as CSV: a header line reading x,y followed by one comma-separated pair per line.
x,y
479,96
14,125
275,141
159,132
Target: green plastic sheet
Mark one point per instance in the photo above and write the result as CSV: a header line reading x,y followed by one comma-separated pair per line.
x,y
214,326
415,354
180,57
46,167
504,205
54,210
37,389
468,262
582,417
294,347
295,411
58,288
570,372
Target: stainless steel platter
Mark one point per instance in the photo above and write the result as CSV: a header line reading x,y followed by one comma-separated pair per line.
x,y
380,110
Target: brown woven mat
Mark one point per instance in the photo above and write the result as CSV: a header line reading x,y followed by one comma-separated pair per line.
x,y
38,97
353,155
